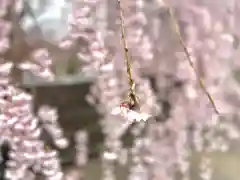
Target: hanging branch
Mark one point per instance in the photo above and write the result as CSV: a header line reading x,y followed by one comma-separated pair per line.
x,y
200,81
132,97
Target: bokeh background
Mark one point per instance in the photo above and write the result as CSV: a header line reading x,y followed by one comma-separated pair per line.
x,y
210,30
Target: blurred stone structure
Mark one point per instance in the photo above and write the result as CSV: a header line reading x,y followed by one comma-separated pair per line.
x,y
67,94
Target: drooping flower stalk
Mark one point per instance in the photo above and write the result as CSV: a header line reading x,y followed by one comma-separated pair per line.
x,y
81,141
140,88
20,130
93,58
49,118
204,36
139,45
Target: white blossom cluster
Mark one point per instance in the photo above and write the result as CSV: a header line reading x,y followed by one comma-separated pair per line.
x,y
39,65
83,31
20,129
93,56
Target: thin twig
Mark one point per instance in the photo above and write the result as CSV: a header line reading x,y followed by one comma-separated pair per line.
x,y
200,81
133,100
